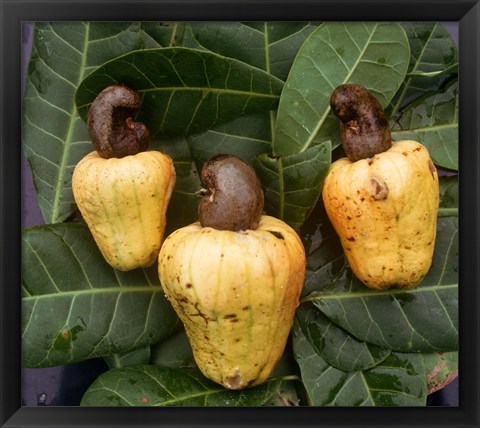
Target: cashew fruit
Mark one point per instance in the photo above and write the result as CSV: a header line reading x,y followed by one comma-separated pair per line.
x,y
236,294
124,203
382,199
384,210
123,189
234,277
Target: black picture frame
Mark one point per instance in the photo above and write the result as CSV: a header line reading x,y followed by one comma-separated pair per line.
x,y
14,12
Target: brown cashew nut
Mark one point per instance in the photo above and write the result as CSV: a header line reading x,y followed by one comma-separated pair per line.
x,y
365,129
110,122
234,197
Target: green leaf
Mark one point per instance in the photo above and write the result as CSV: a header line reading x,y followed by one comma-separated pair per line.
x,y
163,34
449,69
424,319
183,206
433,60
131,358
325,256
433,121
287,370
335,345
397,381
293,183
150,385
442,368
374,55
270,46
175,352
245,137
184,91
54,137
448,196
285,396
75,306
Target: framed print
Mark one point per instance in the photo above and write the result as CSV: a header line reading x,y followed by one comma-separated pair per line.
x,y
239,214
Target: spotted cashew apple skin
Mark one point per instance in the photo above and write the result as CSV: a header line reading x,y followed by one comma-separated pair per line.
x,y
384,209
124,203
236,294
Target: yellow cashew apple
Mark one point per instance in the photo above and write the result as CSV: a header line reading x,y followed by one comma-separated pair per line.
x,y
235,291
383,203
122,189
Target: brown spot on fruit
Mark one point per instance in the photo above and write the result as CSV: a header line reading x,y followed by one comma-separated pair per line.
x,y
234,382
379,190
229,316
276,234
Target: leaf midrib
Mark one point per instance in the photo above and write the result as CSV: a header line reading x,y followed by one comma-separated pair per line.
x,y
266,41
426,129
208,89
408,81
70,133
87,291
202,89
314,133
178,399
350,295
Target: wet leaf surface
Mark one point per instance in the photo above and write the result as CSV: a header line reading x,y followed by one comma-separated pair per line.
x,y
423,319
338,348
399,380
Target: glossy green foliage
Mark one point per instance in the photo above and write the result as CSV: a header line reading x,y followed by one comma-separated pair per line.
x,y
399,380
335,345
